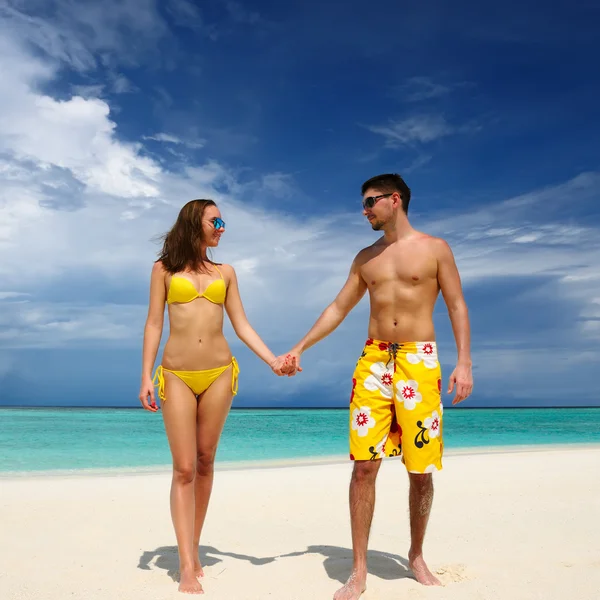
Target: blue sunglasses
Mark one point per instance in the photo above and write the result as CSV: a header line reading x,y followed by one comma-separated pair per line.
x,y
218,223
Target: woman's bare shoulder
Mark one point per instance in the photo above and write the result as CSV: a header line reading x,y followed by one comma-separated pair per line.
x,y
227,270
158,268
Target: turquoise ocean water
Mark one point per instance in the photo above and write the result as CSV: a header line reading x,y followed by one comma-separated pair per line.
x,y
73,439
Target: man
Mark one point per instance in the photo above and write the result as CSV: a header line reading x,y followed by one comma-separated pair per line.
x,y
395,405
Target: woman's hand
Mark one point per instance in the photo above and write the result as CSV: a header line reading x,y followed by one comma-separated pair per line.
x,y
147,390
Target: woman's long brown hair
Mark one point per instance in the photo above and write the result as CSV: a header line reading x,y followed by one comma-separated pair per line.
x,y
182,244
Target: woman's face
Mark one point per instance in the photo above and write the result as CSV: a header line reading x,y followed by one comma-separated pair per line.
x,y
213,226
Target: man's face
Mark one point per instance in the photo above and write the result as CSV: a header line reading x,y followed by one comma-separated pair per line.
x,y
378,207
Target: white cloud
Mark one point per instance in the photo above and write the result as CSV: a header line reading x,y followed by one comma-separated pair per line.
x,y
168,138
417,163
187,14
527,238
55,325
275,185
582,287
514,373
423,129
163,137
278,184
11,295
122,85
532,243
418,129
87,34
116,83
416,89
89,91
420,88
75,134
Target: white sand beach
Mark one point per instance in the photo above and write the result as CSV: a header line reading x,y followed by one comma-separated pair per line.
x,y
505,525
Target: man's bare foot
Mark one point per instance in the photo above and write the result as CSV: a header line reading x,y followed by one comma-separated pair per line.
x,y
421,571
188,582
353,588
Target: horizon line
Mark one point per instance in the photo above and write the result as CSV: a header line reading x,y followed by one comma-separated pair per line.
x,y
344,408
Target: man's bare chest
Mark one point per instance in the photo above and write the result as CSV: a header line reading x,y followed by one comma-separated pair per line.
x,y
410,267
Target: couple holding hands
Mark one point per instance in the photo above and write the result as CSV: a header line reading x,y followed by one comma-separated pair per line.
x,y
395,393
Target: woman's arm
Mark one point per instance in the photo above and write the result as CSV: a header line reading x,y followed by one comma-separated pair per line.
x,y
152,333
241,326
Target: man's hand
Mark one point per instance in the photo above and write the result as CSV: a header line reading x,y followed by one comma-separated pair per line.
x,y
287,364
462,377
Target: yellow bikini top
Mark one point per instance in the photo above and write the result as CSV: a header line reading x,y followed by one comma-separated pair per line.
x,y
183,290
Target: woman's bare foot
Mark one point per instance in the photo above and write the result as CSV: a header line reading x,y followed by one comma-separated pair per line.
x,y
198,569
353,588
188,582
421,571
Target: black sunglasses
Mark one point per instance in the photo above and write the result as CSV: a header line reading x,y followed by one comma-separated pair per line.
x,y
372,200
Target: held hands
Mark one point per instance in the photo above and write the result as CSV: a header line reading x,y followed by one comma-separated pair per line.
x,y
463,378
288,364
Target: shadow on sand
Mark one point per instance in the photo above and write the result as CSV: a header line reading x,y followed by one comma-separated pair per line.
x,y
166,558
337,561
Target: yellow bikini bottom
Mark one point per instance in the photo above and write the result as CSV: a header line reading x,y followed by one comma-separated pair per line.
x,y
197,381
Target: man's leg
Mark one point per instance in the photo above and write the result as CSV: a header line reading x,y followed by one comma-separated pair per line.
x,y
420,499
419,412
362,505
371,414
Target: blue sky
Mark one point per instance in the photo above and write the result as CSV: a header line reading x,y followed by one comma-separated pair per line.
x,y
114,114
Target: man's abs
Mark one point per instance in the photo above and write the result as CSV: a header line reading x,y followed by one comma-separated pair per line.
x,y
391,324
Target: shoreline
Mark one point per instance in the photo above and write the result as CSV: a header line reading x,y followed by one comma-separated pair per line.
x,y
283,463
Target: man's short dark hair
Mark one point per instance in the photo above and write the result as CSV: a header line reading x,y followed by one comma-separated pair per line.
x,y
387,183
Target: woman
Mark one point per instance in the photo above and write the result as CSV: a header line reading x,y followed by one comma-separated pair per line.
x,y
197,377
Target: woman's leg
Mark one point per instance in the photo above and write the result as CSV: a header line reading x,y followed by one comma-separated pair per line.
x,y
213,409
179,415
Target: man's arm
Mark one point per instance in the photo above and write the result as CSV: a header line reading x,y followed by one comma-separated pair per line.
x,y
349,296
451,288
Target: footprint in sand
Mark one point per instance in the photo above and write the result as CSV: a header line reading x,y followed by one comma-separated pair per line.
x,y
452,574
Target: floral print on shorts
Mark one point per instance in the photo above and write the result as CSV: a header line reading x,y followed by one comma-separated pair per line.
x,y
395,405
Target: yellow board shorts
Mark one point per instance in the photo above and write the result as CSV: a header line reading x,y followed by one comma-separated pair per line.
x,y
396,406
